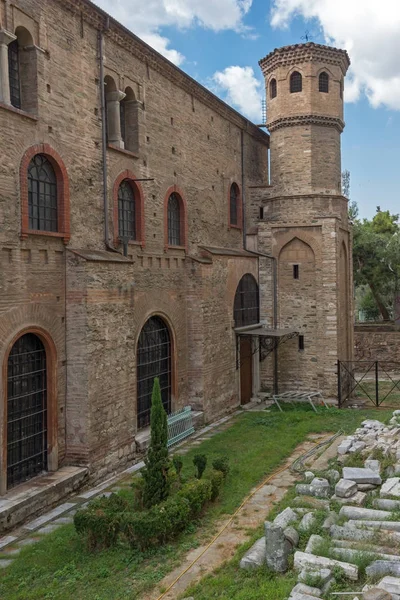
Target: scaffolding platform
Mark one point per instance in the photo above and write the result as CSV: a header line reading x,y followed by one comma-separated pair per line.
x,y
299,397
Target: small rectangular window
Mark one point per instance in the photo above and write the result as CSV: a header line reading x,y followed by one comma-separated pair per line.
x,y
295,271
261,215
301,342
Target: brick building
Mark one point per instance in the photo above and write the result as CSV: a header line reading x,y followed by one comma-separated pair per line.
x,y
136,211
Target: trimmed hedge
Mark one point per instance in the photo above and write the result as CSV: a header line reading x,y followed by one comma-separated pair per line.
x,y
105,519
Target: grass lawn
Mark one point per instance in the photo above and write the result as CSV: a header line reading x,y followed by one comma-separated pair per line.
x,y
59,567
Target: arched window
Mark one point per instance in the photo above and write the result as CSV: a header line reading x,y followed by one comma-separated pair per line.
x,y
26,410
247,302
234,206
154,359
324,82
174,221
42,195
126,211
296,82
14,75
272,88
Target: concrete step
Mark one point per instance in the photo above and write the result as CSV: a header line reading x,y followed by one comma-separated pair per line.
x,y
39,495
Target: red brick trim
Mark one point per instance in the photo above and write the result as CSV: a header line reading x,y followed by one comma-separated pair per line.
x,y
240,208
139,205
52,402
174,189
63,199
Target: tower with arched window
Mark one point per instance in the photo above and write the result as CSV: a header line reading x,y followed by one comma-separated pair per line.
x,y
304,212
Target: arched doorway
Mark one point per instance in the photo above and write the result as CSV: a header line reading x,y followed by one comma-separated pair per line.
x,y
153,360
246,312
27,431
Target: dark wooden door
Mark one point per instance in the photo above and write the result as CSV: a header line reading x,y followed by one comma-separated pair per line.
x,y
246,371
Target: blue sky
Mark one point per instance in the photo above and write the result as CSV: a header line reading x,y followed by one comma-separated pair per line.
x,y
219,43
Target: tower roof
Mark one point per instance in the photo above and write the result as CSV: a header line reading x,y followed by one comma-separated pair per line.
x,y
300,53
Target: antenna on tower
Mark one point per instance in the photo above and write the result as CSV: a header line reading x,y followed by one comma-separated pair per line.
x,y
307,37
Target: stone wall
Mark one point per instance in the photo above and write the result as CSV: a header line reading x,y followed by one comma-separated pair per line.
x,y
376,342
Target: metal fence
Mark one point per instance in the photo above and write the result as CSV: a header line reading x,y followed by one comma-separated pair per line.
x,y
366,381
180,426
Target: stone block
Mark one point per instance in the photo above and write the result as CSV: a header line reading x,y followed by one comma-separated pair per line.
x,y
333,476
311,502
320,488
309,476
391,488
374,465
356,513
386,504
390,584
255,556
301,588
302,560
313,543
344,447
377,594
389,525
366,487
357,447
323,575
292,536
307,522
345,488
361,475
358,499
286,517
383,567
277,548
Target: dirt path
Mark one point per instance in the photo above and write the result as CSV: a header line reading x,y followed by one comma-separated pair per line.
x,y
253,514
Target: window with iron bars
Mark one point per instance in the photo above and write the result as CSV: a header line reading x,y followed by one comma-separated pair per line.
x,y
324,82
247,302
296,82
174,221
42,195
126,211
13,73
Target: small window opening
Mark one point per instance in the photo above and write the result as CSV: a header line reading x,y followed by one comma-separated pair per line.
x,y
296,82
324,82
296,272
261,214
301,342
273,88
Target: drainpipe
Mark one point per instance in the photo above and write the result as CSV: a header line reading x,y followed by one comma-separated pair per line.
x,y
104,137
263,254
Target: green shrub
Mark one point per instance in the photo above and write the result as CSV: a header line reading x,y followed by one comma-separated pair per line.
x,y
216,478
221,464
100,522
200,462
178,464
198,493
155,474
157,525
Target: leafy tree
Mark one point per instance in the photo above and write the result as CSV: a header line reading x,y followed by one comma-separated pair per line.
x,y
376,254
155,474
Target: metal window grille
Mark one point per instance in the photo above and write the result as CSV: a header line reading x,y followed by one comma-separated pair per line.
x,y
42,195
26,410
174,221
296,82
14,77
234,205
153,360
324,82
247,302
126,211
273,88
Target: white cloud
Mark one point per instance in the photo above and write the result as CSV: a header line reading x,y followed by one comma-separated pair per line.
x,y
369,30
146,18
242,89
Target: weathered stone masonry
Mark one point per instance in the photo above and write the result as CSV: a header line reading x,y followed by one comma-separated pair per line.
x,y
85,300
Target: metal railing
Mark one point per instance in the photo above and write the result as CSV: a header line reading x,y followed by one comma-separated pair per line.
x,y
180,425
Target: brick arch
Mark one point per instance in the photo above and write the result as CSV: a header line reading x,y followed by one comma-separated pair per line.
x,y
292,70
63,193
303,237
240,207
174,354
174,189
52,397
296,239
327,70
139,204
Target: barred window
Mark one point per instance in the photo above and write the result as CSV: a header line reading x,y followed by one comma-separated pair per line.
x,y
14,74
296,82
234,206
273,88
126,211
174,221
324,82
247,302
42,195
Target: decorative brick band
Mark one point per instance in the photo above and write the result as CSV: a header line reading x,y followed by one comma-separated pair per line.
x,y
139,206
300,53
183,218
63,194
302,120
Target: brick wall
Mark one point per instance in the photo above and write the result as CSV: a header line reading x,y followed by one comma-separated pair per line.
x,y
376,342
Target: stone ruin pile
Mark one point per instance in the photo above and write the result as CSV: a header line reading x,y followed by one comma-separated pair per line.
x,y
350,530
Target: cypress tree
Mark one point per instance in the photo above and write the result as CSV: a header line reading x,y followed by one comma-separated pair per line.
x,y
155,475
